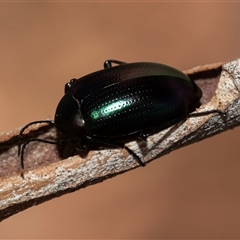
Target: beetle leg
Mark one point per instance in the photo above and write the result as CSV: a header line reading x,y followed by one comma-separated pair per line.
x,y
137,158
200,114
69,85
108,63
115,145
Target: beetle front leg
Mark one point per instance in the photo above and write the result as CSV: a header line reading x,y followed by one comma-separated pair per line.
x,y
108,63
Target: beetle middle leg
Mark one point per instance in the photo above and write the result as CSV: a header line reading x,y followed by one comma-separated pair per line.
x,y
108,63
115,145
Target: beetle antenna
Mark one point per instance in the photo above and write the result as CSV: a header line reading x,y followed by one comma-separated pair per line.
x,y
20,136
22,148
35,122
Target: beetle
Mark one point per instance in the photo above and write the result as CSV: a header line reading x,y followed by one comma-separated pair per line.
x,y
120,103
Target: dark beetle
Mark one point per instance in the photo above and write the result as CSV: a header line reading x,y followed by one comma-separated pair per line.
x,y
122,103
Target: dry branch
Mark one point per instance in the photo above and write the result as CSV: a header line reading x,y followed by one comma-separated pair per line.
x,y
46,176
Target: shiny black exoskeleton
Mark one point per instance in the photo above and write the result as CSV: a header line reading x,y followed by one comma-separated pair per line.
x,y
122,103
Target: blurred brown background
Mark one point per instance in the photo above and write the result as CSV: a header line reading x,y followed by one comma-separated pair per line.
x,y
193,192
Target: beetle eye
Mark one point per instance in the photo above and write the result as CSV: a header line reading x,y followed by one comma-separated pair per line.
x,y
78,120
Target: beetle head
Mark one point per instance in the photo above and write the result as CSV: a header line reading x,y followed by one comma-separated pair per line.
x,y
68,118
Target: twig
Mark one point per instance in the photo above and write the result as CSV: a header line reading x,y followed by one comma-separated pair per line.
x,y
46,176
